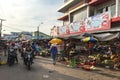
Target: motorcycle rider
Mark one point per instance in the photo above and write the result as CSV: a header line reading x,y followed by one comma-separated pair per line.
x,y
22,49
13,51
28,48
33,49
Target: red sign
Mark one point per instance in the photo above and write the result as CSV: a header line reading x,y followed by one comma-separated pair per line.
x,y
98,22
94,23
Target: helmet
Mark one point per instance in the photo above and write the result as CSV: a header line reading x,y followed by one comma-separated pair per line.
x,y
13,44
28,44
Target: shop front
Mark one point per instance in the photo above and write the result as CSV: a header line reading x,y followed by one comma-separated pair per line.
x,y
96,52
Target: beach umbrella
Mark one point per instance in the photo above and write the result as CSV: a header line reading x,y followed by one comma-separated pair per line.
x,y
56,41
89,39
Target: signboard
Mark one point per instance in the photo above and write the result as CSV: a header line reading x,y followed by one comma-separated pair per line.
x,y
74,27
54,31
62,30
94,23
77,27
98,22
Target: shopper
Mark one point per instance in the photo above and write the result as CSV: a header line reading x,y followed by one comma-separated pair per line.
x,y
5,48
54,52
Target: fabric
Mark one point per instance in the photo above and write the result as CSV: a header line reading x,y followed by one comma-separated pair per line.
x,y
53,50
53,57
106,36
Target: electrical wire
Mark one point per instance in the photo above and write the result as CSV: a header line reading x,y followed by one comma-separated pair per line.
x,y
13,28
3,13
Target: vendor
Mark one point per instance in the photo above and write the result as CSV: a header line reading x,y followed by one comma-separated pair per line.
x,y
72,52
109,52
91,45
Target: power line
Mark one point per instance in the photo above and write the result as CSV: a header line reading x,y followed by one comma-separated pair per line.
x,y
3,15
13,28
1,20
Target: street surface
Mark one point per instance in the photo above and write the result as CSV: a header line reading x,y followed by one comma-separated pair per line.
x,y
43,69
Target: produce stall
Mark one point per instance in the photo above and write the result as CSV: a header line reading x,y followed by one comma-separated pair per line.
x,y
105,55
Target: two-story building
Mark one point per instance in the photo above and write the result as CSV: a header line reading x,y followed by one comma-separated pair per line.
x,y
89,16
39,35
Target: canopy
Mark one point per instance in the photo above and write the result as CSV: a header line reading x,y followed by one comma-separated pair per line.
x,y
89,39
56,41
106,36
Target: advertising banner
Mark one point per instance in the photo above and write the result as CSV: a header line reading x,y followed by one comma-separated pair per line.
x,y
55,31
62,30
74,27
94,23
77,27
98,22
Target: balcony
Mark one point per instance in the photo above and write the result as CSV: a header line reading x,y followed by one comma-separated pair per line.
x,y
64,17
115,19
97,2
68,4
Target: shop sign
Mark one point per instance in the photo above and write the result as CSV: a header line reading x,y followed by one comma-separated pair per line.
x,y
62,30
73,28
77,27
94,23
54,31
98,22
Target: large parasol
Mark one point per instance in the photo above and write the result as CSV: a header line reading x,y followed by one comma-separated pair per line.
x,y
89,39
56,41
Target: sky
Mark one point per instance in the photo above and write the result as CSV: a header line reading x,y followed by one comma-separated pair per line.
x,y
27,15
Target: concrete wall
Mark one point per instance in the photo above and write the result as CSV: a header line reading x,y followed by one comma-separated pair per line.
x,y
78,15
119,7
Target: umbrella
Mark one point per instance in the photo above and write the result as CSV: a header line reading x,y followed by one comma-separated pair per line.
x,y
89,39
56,41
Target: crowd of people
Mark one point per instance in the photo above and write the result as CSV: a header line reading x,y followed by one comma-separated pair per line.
x,y
15,48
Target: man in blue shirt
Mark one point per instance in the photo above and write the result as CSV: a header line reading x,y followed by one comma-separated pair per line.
x,y
53,51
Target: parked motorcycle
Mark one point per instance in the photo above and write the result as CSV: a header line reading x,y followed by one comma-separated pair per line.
x,y
28,60
11,57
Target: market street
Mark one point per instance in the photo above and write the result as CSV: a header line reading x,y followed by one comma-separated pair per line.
x,y
37,72
43,69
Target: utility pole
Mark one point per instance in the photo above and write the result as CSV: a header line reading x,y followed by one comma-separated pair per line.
x,y
1,20
38,32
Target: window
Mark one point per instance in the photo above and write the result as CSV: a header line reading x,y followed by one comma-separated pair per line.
x,y
112,10
100,11
79,15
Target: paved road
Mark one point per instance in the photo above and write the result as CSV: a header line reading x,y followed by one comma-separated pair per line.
x,y
43,69
37,72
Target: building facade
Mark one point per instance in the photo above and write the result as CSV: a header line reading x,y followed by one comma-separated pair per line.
x,y
17,36
89,16
39,35
11,36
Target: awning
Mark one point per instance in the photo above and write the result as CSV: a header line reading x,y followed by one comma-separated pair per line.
x,y
97,2
115,29
106,36
65,17
116,19
77,37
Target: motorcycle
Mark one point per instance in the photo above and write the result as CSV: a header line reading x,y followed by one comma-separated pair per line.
x,y
28,60
11,57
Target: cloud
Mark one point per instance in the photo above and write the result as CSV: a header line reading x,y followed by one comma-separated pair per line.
x,y
28,14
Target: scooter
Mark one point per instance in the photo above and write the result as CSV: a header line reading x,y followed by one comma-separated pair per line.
x,y
11,57
28,60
